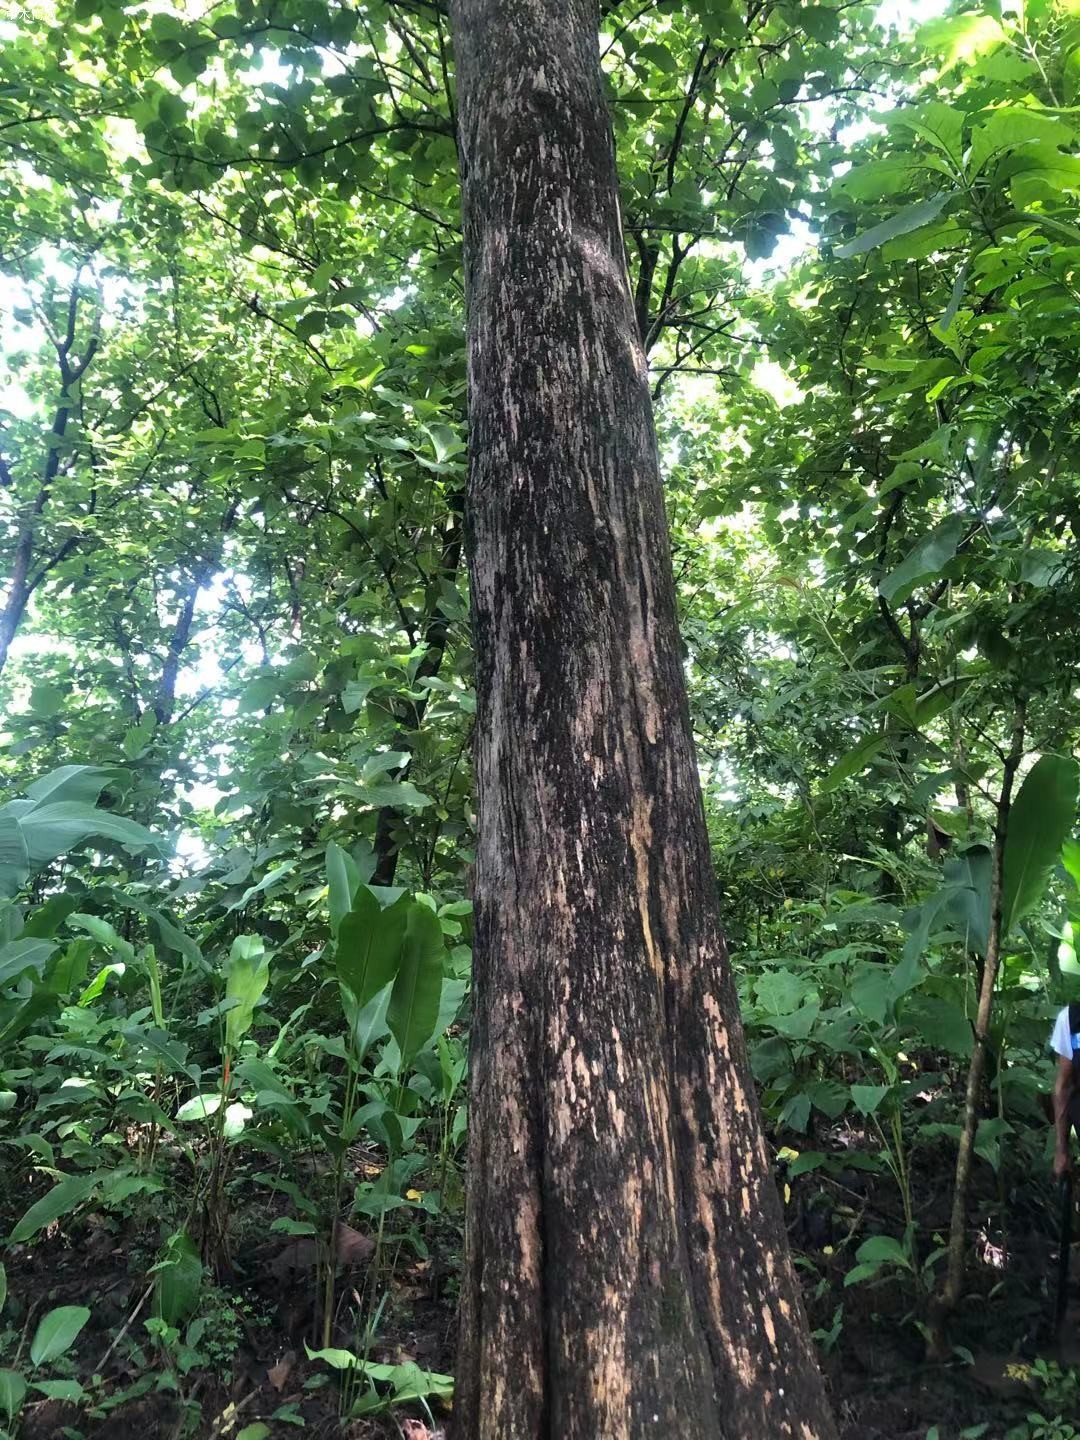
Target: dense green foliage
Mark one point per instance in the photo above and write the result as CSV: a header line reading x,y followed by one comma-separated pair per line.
x,y
235,703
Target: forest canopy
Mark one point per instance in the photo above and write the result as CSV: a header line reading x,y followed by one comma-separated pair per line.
x,y
239,675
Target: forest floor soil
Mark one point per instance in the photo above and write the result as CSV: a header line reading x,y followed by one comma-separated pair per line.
x,y
250,1366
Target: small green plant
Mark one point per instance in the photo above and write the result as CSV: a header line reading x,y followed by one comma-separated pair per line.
x,y
56,1333
1058,1393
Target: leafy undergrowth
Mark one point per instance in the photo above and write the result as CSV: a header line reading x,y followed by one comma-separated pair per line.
x,y
244,1362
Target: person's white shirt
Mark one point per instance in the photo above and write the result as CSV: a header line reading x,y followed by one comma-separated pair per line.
x,y
1061,1038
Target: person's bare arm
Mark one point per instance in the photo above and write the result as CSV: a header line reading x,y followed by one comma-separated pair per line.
x,y
1063,1093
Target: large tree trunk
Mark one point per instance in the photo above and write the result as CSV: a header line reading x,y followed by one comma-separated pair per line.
x,y
626,1267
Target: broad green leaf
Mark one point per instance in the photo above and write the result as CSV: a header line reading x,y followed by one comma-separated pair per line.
x,y
81,783
872,992
414,1000
169,934
1040,820
52,830
883,1250
46,920
272,877
960,38
337,1359
14,857
1013,128
925,562
968,878
853,762
18,956
61,1200
877,179
199,1107
367,1023
370,940
394,794
955,297
104,934
100,980
236,1117
172,1053
936,122
911,217
57,1332
805,1162
12,1393
779,992
867,1098
178,1279
248,973
941,1024
69,1390
3,1286
407,1382
343,880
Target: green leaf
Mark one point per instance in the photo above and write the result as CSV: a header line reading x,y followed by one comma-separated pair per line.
x,y
779,992
806,1161
57,1332
960,38
12,1393
940,1023
100,980
657,55
3,1286
343,880
370,941
883,1250
104,934
52,830
199,1107
912,217
69,1390
1013,128
18,956
255,1431
968,878
940,124
394,795
178,1279
61,1200
955,297
1040,820
925,562
414,1000
367,1023
868,1098
80,783
14,857
853,762
248,973
273,877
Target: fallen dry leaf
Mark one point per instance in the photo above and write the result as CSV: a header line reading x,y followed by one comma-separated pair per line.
x,y
278,1374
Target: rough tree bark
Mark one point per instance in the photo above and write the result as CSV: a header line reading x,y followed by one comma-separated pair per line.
x,y
626,1269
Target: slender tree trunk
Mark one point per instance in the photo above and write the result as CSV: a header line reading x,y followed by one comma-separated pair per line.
x,y
626,1267
946,1302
